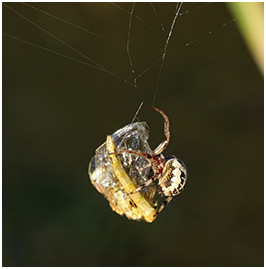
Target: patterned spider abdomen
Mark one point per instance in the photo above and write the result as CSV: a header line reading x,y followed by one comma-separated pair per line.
x,y
174,177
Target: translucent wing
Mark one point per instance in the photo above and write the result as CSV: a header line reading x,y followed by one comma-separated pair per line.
x,y
131,137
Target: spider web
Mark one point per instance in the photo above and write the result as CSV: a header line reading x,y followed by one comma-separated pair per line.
x,y
152,21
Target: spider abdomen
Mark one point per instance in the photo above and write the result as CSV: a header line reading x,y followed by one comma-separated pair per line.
x,y
173,178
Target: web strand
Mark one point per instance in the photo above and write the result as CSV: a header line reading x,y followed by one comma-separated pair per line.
x,y
137,17
156,14
63,55
135,116
97,66
54,52
210,32
146,70
198,7
137,112
55,37
128,41
178,8
60,19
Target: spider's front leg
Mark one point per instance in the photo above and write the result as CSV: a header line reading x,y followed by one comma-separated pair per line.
x,y
164,144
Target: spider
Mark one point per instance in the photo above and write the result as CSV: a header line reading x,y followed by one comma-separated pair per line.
x,y
125,169
170,172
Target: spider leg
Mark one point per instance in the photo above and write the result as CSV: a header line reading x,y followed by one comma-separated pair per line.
x,y
167,201
147,183
141,154
145,167
149,159
164,144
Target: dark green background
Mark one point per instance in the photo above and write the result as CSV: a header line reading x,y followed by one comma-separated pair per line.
x,y
57,112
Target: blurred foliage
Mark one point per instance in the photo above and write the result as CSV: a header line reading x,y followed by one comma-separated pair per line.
x,y
250,19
